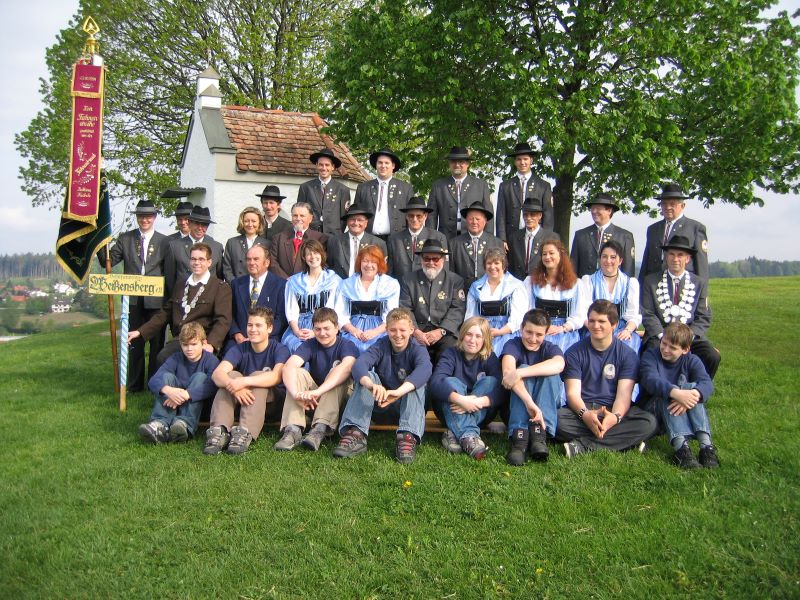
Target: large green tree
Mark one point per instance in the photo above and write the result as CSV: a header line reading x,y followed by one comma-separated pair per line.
x,y
268,53
618,95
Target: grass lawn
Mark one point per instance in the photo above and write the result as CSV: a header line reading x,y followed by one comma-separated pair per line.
x,y
89,511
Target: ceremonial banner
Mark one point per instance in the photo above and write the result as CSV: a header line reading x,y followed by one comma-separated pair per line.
x,y
87,132
78,242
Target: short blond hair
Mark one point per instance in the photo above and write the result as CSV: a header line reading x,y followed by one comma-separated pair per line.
x,y
486,330
191,332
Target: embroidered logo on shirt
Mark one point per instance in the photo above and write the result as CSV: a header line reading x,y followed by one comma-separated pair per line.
x,y
609,371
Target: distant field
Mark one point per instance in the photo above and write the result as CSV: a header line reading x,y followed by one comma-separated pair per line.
x,y
90,512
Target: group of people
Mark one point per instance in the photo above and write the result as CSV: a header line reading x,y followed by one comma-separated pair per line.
x,y
375,310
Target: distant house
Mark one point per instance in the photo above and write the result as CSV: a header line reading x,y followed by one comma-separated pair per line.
x,y
20,290
60,306
232,152
38,294
64,288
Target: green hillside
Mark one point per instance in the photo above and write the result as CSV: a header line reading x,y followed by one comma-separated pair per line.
x,y
90,512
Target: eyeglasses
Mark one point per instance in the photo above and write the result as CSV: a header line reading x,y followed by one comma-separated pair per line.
x,y
193,259
434,258
420,216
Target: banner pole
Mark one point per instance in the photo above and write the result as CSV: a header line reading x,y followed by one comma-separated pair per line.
x,y
112,326
123,353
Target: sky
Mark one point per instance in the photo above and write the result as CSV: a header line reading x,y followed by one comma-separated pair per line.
x,y
769,232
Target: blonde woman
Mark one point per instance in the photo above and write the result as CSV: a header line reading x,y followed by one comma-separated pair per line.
x,y
251,232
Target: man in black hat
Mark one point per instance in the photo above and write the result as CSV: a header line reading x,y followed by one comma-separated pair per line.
x,y
678,295
467,249
524,244
449,195
585,254
141,251
176,258
182,213
329,199
343,248
436,298
385,195
271,205
672,202
403,245
513,192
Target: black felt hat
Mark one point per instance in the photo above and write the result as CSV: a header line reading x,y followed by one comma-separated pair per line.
x,y
357,210
271,191
672,191
145,207
523,149
184,209
373,158
532,204
605,200
201,214
679,242
459,153
477,205
326,153
431,246
416,203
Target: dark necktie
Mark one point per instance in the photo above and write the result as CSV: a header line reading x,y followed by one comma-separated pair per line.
x,y
676,290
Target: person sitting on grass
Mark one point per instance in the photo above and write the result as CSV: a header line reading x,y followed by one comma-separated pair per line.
x,y
180,388
679,385
466,385
599,377
531,368
320,391
247,377
390,382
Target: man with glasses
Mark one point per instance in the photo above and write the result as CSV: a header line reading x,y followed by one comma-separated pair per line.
x,y
436,298
403,245
176,259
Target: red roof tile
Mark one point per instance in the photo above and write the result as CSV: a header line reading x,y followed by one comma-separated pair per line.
x,y
274,141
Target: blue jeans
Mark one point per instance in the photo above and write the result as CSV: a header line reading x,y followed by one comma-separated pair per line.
x,y
685,425
188,412
546,392
468,424
408,411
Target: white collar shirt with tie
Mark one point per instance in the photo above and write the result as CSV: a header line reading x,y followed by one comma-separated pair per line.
x,y
523,185
355,245
381,224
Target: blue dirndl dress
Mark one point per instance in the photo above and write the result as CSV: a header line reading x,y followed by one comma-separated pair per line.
x,y
302,301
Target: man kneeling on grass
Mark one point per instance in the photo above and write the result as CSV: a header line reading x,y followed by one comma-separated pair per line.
x,y
680,387
262,360
389,387
599,377
531,367
321,390
180,387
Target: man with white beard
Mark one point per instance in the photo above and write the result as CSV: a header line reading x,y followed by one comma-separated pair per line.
x,y
436,297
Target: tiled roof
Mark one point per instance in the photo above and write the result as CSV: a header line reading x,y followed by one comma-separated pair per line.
x,y
274,141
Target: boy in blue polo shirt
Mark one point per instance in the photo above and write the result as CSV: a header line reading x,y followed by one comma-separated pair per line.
x,y
679,385
180,387
248,377
322,389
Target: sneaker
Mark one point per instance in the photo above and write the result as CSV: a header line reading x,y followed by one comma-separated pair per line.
x,y
572,449
405,448
313,439
708,457
519,447
178,432
450,443
217,439
474,446
684,458
240,441
154,432
352,444
290,439
537,444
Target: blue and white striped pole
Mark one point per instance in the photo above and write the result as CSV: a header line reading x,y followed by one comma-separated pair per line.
x,y
123,352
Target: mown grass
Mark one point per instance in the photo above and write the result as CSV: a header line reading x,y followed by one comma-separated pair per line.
x,y
89,511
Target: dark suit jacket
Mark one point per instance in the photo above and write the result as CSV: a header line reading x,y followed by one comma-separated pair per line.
x,y
126,249
438,303
585,258
401,259
443,202
462,260
330,209
212,312
338,249
234,261
693,230
516,250
176,261
280,225
509,204
283,260
653,317
398,194
174,236
271,296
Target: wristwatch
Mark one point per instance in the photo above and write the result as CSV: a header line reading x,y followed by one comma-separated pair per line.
x,y
581,412
443,331
619,418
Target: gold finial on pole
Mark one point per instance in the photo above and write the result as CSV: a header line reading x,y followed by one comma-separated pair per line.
x,y
92,46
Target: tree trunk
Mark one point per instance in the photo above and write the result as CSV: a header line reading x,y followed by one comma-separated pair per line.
x,y
563,194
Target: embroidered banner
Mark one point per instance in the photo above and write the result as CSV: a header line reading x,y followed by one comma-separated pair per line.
x,y
83,191
126,285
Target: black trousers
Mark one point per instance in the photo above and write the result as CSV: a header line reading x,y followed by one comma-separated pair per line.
x,y
138,315
636,426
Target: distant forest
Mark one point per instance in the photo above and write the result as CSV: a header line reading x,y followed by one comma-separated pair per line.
x,y
44,266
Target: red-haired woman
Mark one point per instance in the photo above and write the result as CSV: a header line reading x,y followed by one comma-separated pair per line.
x,y
554,287
365,298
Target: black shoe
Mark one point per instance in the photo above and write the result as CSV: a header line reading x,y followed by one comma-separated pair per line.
x,y
405,448
519,447
708,457
684,458
537,443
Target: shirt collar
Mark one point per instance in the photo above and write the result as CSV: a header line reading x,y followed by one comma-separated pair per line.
x,y
204,279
